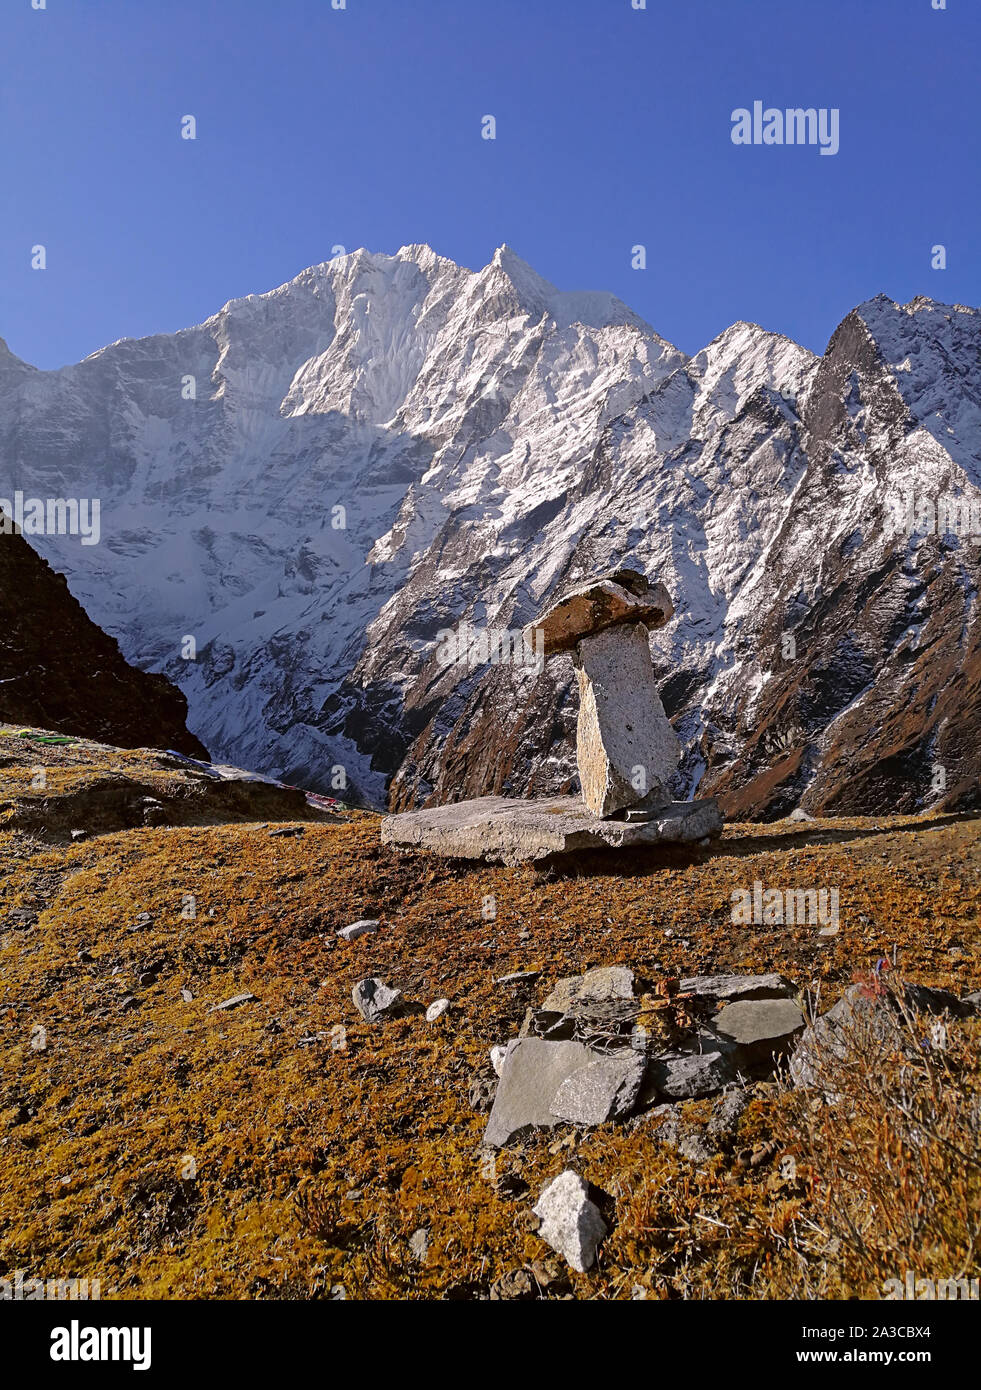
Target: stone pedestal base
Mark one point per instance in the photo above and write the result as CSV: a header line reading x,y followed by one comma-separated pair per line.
x,y
500,830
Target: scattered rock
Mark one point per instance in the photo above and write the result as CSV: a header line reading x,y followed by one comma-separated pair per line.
x,y
737,986
374,999
419,1244
79,835
518,977
187,996
666,1122
726,1113
757,1030
365,927
532,1072
602,1090
516,1285
436,1010
571,1223
232,1003
497,1055
287,832
595,987
800,815
693,1145
685,1075
481,1094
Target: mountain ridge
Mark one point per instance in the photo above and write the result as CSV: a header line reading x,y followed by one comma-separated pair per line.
x,y
485,446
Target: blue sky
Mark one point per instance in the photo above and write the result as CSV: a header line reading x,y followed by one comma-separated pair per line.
x,y
319,127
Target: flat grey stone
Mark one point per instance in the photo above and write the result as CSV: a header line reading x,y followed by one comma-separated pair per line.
x,y
800,814
626,749
571,1223
374,999
758,1030
501,830
684,1075
597,986
531,1073
602,1090
363,928
738,986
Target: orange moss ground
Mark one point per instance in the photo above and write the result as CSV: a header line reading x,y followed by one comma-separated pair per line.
x,y
172,1152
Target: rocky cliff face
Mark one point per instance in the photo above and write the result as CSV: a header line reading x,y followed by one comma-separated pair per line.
x,y
320,482
58,671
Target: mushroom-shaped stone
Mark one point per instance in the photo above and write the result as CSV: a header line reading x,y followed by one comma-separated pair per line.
x,y
624,596
626,749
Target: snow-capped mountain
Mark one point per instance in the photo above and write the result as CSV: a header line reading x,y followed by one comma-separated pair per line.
x,y
318,482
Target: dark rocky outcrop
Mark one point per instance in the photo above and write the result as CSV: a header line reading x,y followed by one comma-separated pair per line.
x,y
60,672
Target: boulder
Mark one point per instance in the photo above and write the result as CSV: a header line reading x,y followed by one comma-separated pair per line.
x,y
363,928
597,986
859,1019
626,749
925,999
625,596
374,999
571,1223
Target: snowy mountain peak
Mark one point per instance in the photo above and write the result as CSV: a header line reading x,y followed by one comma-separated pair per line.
x,y
389,446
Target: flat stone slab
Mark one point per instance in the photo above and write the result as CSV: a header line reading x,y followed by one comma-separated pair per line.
x,y
756,1030
532,1072
502,830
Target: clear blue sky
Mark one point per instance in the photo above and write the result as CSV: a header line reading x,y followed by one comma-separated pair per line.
x,y
359,127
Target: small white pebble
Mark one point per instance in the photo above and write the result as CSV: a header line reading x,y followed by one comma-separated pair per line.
x,y
436,1010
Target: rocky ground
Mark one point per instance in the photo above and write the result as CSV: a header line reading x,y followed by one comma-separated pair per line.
x,y
193,1105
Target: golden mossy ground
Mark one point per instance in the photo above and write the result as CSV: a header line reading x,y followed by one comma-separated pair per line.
x,y
172,1152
